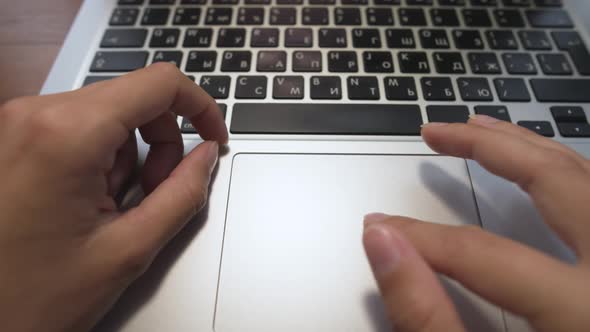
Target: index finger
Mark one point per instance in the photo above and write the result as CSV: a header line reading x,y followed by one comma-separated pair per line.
x,y
557,182
142,96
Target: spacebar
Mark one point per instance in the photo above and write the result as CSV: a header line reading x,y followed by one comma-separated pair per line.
x,y
562,90
326,119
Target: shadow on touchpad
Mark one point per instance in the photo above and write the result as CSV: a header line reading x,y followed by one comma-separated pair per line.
x,y
292,256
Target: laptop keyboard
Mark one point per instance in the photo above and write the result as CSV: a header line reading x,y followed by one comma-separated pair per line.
x,y
361,67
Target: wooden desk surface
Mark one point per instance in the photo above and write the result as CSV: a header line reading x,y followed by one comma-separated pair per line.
x,y
31,35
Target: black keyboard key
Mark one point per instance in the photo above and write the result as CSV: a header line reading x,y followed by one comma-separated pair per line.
x,y
251,87
475,89
251,16
512,89
535,40
118,61
572,42
434,38
307,61
516,3
187,16
165,38
319,119
315,16
271,61
238,61
130,2
332,38
379,16
444,17
347,16
187,127
219,16
298,37
581,58
568,114
400,88
413,62
289,2
484,63
448,63
509,18
419,2
216,86
542,128
225,2
124,38
448,114
174,57
502,40
257,2
562,90
231,37
366,38
326,87
487,3
437,88
519,63
342,62
198,38
322,2
468,39
477,18
400,38
124,16
542,18
387,2
378,62
95,79
412,16
554,64
451,2
574,129
498,112
201,61
264,37
354,2
283,16
162,2
193,2
548,3
155,16
288,87
363,88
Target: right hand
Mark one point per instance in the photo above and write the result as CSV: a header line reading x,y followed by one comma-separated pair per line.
x,y
550,294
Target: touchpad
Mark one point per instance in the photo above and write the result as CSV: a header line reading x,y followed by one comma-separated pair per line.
x,y
292,255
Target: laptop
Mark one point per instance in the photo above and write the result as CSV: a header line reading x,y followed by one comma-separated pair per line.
x,y
324,100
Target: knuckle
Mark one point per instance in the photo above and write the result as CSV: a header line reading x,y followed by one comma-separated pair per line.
x,y
15,108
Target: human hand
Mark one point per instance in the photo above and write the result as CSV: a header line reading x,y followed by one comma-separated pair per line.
x,y
550,294
66,252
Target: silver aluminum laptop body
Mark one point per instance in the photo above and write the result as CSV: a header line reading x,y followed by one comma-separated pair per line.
x,y
278,247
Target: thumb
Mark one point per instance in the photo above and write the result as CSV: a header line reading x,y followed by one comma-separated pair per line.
x,y
414,298
140,233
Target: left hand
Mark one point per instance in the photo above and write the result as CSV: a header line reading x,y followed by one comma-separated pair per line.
x,y
66,251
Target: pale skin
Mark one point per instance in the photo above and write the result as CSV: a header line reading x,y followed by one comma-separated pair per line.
x,y
67,252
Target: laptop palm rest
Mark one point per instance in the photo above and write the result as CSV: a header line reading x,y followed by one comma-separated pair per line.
x,y
292,254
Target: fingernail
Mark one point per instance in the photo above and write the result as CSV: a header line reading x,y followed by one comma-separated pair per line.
x,y
375,217
483,119
382,247
212,155
434,124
